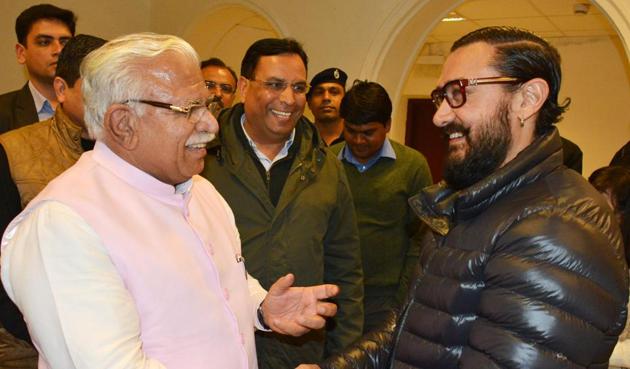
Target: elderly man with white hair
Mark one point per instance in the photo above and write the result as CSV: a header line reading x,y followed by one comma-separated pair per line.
x,y
129,259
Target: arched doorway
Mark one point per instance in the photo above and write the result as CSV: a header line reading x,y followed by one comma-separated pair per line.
x,y
226,31
392,59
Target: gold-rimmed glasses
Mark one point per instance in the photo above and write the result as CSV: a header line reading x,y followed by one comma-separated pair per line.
x,y
193,111
278,86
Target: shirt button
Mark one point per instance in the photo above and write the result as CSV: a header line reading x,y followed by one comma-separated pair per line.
x,y
226,294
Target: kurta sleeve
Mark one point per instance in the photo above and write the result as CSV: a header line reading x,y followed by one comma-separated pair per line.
x,y
79,313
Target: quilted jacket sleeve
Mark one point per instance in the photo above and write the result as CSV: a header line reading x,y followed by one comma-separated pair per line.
x,y
372,351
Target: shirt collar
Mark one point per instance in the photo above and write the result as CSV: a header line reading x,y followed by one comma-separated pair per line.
x,y
386,151
42,111
264,160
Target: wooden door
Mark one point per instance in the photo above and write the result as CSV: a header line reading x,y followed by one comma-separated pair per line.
x,y
425,137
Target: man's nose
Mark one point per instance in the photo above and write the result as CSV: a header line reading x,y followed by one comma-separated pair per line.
x,y
216,91
287,96
443,115
57,46
207,123
359,139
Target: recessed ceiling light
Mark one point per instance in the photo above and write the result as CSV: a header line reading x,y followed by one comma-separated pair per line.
x,y
453,17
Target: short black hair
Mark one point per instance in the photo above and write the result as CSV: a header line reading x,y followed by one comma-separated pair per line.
x,y
213,62
366,102
72,55
523,55
268,47
28,17
216,62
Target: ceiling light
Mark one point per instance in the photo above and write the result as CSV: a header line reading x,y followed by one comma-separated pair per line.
x,y
581,8
453,17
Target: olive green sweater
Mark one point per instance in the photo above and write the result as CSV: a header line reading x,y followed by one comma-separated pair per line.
x,y
386,222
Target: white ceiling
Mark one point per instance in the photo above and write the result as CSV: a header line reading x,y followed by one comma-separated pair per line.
x,y
547,18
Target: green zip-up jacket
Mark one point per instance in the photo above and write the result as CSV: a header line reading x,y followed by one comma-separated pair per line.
x,y
311,232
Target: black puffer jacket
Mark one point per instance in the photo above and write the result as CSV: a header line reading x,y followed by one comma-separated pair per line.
x,y
526,271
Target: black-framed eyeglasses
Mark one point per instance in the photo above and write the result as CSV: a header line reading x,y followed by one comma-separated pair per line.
x,y
224,87
193,111
455,91
278,86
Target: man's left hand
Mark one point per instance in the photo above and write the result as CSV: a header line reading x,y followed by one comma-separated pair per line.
x,y
296,310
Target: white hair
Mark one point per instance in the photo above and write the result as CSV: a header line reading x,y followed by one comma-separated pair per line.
x,y
113,73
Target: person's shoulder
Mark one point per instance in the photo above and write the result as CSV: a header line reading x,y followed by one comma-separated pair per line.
x,y
11,96
8,102
25,133
408,154
336,148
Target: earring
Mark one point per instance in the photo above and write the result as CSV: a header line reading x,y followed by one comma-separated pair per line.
x,y
522,121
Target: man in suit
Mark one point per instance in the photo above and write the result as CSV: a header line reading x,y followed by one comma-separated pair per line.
x,y
42,31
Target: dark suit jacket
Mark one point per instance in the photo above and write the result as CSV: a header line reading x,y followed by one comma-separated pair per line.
x,y
17,109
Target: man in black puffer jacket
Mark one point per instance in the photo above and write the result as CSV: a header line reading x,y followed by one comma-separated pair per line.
x,y
526,267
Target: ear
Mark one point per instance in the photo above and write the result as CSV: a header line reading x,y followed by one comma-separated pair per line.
x,y
121,126
20,53
60,86
388,125
242,87
532,96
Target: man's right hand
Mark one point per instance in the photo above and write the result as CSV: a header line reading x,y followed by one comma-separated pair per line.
x,y
308,366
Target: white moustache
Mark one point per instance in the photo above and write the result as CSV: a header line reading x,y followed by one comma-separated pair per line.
x,y
200,138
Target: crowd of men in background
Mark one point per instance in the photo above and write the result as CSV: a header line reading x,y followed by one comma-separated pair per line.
x,y
146,227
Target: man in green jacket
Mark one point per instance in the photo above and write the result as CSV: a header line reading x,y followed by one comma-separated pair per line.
x,y
382,174
290,198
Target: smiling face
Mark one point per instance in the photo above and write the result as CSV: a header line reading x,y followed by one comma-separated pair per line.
x,y
479,133
171,147
325,100
271,115
44,42
365,140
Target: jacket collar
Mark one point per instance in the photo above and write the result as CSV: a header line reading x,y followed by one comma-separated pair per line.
x,y
311,145
67,131
440,206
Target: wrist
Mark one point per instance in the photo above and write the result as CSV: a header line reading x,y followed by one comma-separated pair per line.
x,y
261,317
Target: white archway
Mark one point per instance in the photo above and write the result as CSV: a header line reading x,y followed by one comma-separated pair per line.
x,y
228,28
392,54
